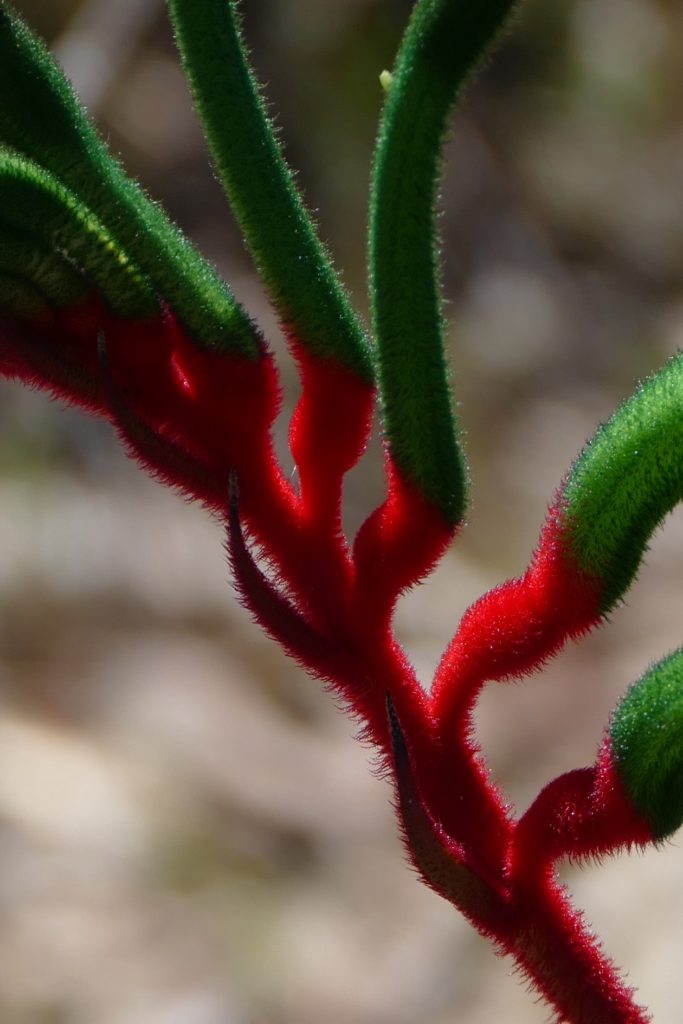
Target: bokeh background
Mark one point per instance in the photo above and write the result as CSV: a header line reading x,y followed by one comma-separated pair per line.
x,y
188,830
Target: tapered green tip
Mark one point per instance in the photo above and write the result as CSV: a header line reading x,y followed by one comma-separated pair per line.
x,y
647,740
625,482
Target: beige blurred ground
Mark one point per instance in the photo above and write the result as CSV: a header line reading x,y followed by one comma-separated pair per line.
x,y
188,832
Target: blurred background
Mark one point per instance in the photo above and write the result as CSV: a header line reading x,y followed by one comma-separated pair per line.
x,y
189,833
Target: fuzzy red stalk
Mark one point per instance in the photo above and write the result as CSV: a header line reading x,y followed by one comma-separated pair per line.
x,y
202,422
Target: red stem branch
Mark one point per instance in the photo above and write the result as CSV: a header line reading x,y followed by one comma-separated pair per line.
x,y
559,955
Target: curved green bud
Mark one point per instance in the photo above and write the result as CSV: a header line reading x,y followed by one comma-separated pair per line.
x,y
52,275
443,42
647,741
280,234
626,480
41,117
33,200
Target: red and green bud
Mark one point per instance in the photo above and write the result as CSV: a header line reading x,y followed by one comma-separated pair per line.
x,y
626,480
646,735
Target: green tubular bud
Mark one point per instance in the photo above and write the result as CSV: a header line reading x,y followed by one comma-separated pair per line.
x,y
443,43
33,200
280,234
41,117
626,480
51,274
19,298
647,741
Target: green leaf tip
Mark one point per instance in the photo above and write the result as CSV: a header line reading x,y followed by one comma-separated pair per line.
x,y
647,740
295,267
626,480
42,118
443,43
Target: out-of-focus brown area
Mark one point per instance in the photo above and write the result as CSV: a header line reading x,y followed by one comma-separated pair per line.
x,y
188,832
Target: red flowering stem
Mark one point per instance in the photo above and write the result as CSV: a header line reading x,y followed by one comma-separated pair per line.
x,y
278,616
193,415
327,431
29,353
585,812
396,546
388,671
564,962
447,865
515,627
582,813
516,902
525,915
359,665
327,435
459,805
220,408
